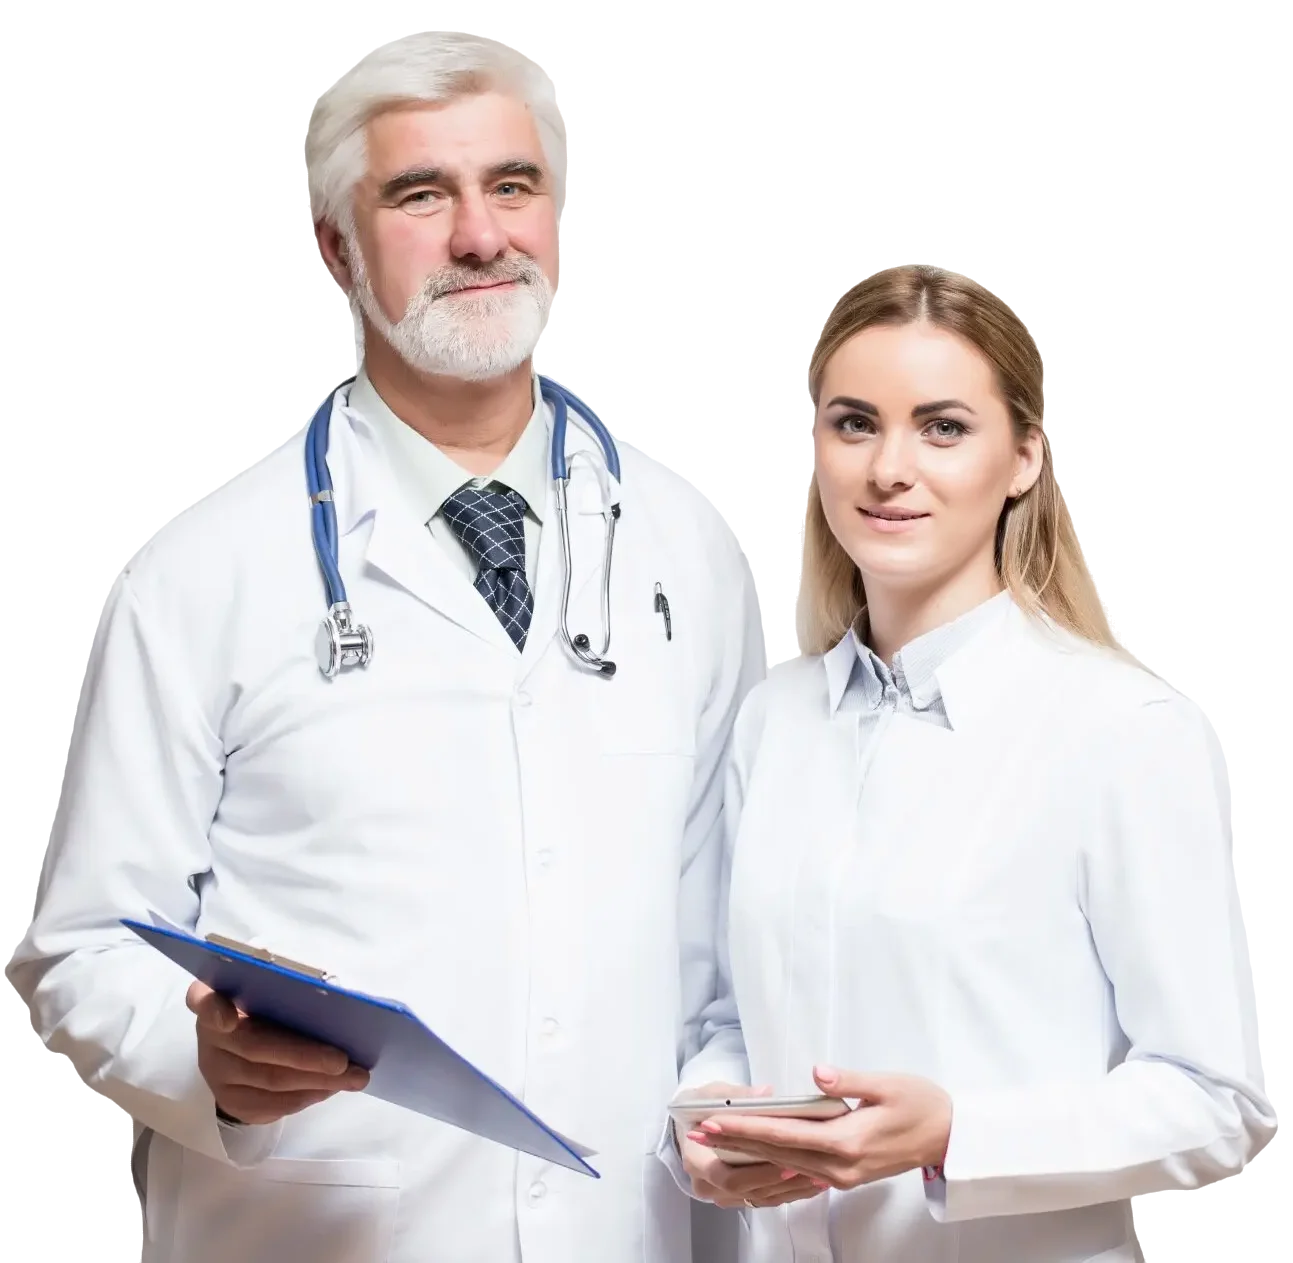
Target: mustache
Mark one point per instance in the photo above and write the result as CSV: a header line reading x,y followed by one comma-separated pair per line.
x,y
520,269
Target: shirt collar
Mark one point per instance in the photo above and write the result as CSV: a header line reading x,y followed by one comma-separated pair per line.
x,y
915,665
426,477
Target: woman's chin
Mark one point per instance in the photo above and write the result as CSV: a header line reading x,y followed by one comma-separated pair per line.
x,y
897,565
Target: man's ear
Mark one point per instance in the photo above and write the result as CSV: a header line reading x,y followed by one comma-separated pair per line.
x,y
335,253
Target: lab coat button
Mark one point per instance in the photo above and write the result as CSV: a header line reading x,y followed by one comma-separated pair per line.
x,y
549,1026
523,698
538,1191
544,858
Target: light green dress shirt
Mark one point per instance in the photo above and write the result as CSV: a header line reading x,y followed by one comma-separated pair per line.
x,y
426,477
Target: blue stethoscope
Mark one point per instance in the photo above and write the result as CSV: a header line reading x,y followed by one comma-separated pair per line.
x,y
342,642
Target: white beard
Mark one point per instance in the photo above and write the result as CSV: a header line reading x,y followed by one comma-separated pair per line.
x,y
472,338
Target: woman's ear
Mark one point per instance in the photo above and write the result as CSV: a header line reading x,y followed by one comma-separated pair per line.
x,y
1030,456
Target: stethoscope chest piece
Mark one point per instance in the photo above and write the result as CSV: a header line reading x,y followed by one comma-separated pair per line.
x,y
341,642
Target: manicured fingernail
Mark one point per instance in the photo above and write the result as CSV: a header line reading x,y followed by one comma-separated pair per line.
x,y
789,1175
699,1137
821,1183
712,1127
826,1075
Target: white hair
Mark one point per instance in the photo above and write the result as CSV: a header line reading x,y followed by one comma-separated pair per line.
x,y
432,67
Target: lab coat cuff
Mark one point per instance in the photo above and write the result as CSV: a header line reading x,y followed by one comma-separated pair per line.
x,y
667,1152
963,1186
997,1160
249,1144
718,1062
935,1182
715,1063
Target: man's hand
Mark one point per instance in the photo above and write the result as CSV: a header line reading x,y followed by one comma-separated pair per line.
x,y
713,1180
259,1072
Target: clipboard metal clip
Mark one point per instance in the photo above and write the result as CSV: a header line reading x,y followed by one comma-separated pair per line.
x,y
261,953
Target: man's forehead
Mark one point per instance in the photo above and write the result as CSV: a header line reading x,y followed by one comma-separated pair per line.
x,y
461,136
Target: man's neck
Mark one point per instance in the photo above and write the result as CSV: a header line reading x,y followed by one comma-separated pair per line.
x,y
475,423
897,617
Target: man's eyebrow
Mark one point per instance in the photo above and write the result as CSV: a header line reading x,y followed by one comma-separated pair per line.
x,y
409,178
415,177
517,166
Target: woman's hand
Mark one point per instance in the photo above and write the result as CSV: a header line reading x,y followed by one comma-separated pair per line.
x,y
714,1180
902,1123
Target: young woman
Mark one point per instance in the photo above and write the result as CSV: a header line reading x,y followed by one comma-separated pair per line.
x,y
980,871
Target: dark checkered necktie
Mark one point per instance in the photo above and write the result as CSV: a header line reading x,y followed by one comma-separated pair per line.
x,y
491,525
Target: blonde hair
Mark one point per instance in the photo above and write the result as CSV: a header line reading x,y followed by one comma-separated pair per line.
x,y
1037,553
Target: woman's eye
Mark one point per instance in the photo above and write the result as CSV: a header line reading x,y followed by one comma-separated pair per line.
x,y
854,424
945,429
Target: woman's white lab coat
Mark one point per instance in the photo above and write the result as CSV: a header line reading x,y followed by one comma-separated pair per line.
x,y
1035,908
517,850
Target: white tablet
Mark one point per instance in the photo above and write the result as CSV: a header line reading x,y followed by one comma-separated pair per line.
x,y
688,1115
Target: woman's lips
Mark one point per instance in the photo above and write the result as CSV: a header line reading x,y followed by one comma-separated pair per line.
x,y
891,520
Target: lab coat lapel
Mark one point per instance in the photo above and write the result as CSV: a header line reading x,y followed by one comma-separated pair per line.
x,y
587,552
398,545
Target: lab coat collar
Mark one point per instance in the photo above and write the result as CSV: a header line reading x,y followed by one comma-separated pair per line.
x,y
361,478
971,680
1006,659
839,663
355,458
365,491
364,488
915,666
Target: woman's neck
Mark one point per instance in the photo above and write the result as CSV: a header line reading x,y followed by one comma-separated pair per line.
x,y
898,615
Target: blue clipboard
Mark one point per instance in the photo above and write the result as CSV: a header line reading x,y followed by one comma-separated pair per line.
x,y
408,1064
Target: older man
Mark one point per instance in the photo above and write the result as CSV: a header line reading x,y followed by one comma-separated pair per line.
x,y
466,810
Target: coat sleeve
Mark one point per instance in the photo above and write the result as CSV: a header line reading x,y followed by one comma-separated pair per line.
x,y
712,1047
1185,1106
130,836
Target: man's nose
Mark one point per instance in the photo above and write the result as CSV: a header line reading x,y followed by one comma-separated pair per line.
x,y
476,232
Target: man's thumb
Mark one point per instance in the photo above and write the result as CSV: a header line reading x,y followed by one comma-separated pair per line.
x,y
212,1009
849,1084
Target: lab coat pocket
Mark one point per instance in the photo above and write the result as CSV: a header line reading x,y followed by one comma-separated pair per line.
x,y
287,1209
644,711
350,1172
651,704
647,708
